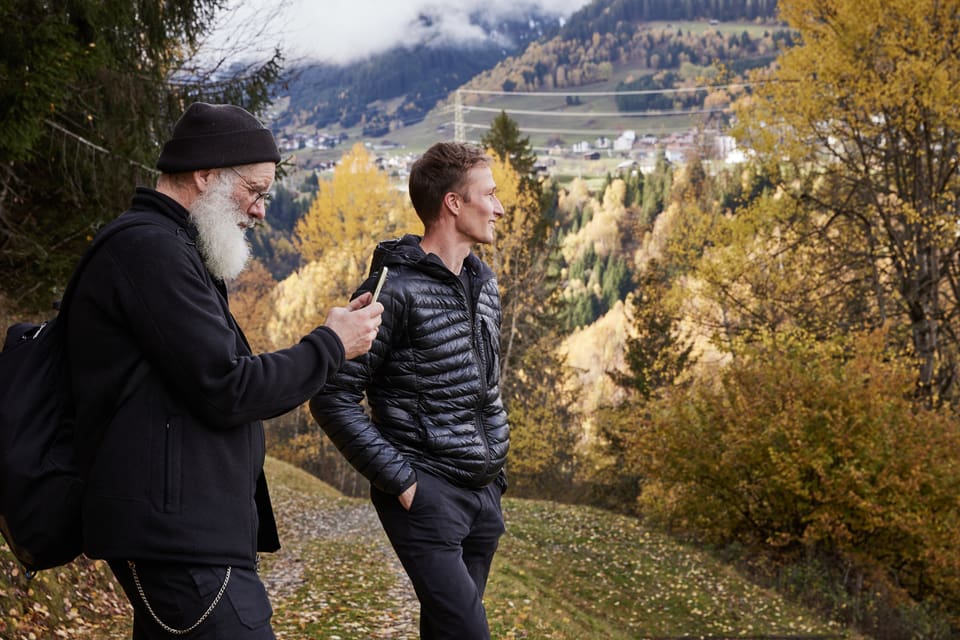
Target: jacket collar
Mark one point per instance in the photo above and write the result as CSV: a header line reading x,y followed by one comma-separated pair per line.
x,y
145,199
406,250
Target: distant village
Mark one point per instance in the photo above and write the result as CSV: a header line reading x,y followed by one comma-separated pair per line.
x,y
641,151
637,152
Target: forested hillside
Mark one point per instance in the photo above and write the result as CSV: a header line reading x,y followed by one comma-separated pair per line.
x,y
323,94
615,15
544,56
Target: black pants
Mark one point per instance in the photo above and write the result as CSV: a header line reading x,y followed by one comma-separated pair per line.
x,y
179,595
446,544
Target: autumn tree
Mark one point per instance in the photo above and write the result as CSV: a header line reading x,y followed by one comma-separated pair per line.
x,y
544,426
524,236
354,210
544,429
251,303
657,356
859,122
350,214
88,89
519,261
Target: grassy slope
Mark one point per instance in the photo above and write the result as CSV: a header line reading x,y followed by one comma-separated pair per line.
x,y
576,572
562,572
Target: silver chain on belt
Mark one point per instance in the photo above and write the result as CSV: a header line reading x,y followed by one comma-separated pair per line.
x,y
169,629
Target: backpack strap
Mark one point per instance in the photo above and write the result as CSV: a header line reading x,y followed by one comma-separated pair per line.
x,y
120,224
140,372
99,240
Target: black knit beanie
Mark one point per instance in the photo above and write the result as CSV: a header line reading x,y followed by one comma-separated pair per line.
x,y
208,136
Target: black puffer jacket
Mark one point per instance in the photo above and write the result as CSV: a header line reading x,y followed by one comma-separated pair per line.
x,y
432,378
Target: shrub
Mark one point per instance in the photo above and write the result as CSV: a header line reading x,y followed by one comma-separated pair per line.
x,y
808,446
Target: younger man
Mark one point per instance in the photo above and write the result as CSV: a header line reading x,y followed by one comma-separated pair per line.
x,y
435,443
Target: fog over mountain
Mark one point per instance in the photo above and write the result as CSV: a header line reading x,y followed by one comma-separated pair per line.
x,y
344,31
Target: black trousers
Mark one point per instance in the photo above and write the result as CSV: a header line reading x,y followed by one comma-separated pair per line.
x,y
179,594
446,543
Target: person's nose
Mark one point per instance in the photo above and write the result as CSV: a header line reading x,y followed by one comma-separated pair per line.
x,y
498,209
258,210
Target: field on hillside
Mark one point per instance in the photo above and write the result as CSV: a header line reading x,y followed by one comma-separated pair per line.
x,y
595,116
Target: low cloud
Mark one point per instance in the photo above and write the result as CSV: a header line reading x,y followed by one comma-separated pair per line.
x,y
341,31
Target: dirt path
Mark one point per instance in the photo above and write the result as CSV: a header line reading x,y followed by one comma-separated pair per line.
x,y
302,518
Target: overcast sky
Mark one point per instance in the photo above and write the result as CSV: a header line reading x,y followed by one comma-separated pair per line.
x,y
345,30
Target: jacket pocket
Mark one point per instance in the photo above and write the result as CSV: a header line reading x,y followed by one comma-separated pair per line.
x,y
491,352
166,482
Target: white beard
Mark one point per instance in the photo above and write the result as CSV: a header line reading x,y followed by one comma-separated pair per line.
x,y
222,227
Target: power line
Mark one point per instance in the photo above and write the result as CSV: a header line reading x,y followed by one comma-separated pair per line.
x,y
642,92
459,108
458,133
600,114
588,132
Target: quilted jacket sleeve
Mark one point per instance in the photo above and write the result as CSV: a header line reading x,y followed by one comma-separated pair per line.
x,y
339,412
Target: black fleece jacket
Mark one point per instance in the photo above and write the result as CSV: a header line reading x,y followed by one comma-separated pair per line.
x,y
175,468
431,378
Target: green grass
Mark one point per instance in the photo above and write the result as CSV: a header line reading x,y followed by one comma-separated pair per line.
x,y
296,479
343,595
562,572
570,572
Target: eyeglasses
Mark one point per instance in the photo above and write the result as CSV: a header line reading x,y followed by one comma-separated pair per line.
x,y
266,197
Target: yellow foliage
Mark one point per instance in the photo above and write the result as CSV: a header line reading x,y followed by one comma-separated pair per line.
x,y
602,232
654,242
351,213
356,209
860,121
512,254
815,445
895,58
250,303
572,199
302,301
591,352
517,258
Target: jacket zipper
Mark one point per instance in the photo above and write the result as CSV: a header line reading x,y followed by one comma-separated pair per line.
x,y
476,339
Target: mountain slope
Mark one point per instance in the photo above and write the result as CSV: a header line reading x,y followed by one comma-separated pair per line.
x,y
398,88
322,94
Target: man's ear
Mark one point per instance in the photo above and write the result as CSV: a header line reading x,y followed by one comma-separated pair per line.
x,y
202,178
452,201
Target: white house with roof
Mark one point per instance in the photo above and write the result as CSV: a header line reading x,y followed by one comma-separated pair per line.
x,y
625,141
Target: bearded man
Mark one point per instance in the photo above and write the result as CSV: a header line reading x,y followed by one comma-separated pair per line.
x,y
169,396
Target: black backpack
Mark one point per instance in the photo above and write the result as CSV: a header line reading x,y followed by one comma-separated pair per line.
x,y
40,484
